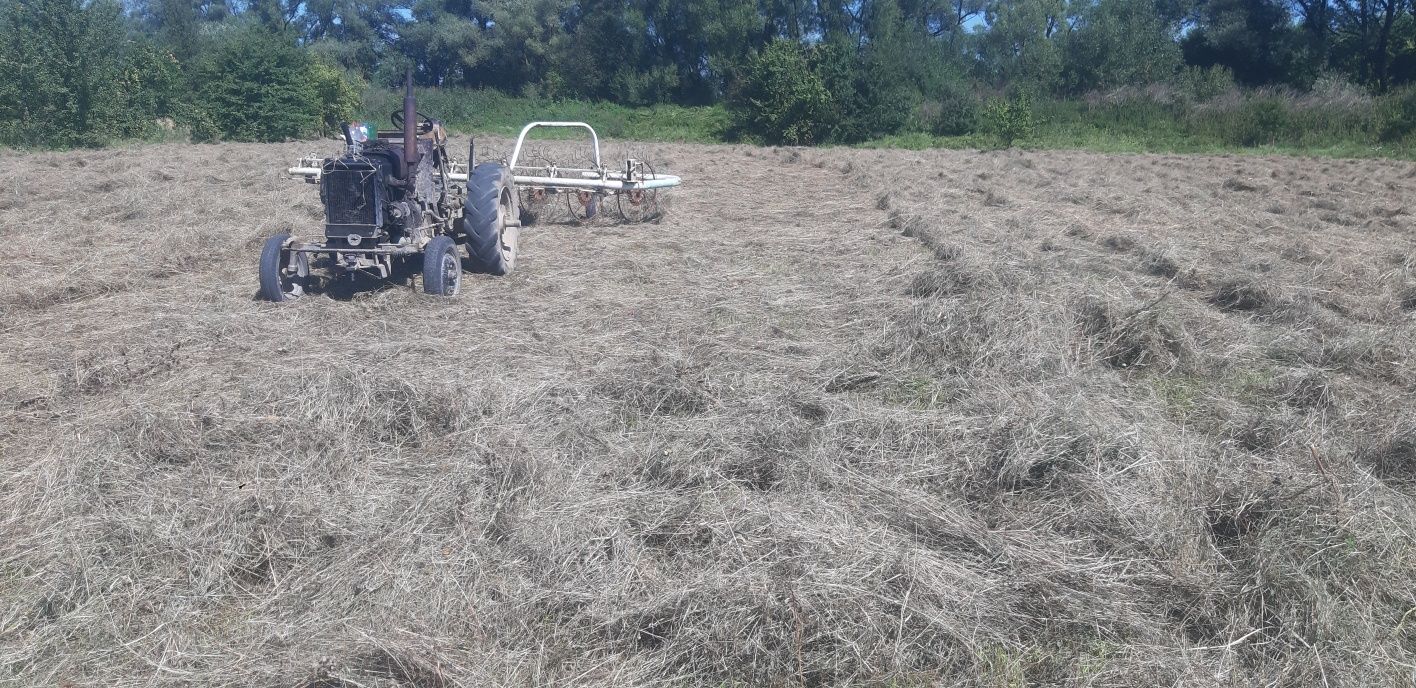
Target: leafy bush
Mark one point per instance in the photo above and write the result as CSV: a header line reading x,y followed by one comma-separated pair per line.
x,y
62,74
152,86
952,112
201,128
634,86
1202,84
781,100
256,85
838,66
1397,115
1011,120
874,92
338,96
885,90
1259,120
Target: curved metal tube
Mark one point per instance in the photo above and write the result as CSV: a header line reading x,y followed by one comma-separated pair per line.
x,y
658,181
521,138
662,181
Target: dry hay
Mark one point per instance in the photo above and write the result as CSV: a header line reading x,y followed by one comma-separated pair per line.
x,y
841,417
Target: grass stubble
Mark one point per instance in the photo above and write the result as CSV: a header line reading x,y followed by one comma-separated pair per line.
x,y
841,417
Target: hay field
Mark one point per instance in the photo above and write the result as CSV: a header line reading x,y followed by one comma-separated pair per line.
x,y
841,418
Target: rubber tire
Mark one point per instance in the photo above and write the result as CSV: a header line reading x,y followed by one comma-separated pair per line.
x,y
270,268
437,250
482,220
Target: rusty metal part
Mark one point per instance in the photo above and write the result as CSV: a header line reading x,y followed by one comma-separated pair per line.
x,y
638,204
410,124
583,205
535,200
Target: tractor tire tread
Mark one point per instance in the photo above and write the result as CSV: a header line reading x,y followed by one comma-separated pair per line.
x,y
433,254
270,288
479,221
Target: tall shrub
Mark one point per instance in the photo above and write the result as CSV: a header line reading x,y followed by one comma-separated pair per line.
x,y
337,95
1397,115
952,111
61,72
151,83
1260,120
781,100
1011,120
255,85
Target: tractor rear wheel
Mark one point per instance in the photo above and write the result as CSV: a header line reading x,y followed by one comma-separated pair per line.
x,y
442,269
491,244
283,272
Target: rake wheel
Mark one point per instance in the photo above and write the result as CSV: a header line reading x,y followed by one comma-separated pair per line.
x,y
583,205
536,202
638,205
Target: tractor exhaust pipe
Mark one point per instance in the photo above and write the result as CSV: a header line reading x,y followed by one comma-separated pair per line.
x,y
410,124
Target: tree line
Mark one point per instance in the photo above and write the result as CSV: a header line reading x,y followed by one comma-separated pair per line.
x,y
78,72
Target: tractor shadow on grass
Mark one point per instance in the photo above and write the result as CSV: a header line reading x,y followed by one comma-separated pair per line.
x,y
346,287
349,287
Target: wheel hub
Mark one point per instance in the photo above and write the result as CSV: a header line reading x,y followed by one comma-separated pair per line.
x,y
451,272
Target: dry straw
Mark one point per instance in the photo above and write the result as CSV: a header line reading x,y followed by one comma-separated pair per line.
x,y
939,418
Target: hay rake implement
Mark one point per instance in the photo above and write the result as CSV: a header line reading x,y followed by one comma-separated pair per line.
x,y
633,189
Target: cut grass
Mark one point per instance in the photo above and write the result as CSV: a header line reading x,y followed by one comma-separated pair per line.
x,y
1097,139
837,419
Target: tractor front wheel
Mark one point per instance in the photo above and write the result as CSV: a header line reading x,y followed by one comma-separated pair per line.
x,y
283,273
442,270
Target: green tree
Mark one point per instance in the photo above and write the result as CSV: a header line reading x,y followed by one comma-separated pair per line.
x,y
444,43
875,89
523,46
151,84
177,25
354,34
1023,47
1316,17
794,19
705,43
275,15
61,73
895,65
255,85
781,100
650,51
1120,43
1367,38
953,24
1256,39
879,83
609,55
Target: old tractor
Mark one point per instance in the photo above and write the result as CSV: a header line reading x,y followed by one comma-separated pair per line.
x,y
397,195
393,196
